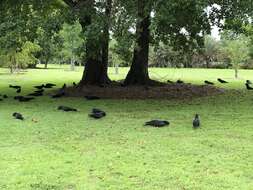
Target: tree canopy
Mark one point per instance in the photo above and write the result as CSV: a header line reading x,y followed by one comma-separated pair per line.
x,y
134,25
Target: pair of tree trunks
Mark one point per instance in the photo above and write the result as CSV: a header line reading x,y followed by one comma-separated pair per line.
x,y
96,66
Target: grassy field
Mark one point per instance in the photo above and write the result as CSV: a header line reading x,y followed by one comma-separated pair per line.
x,y
69,151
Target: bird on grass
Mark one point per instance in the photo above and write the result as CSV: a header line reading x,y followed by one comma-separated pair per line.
x,y
15,87
25,99
169,81
35,94
49,85
248,82
97,113
222,81
208,82
39,91
18,90
180,82
65,108
5,96
64,86
17,97
91,97
40,87
157,123
22,98
18,116
196,122
248,87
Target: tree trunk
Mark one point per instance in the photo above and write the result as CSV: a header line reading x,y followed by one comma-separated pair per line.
x,y
207,62
138,74
72,64
236,73
106,39
45,64
95,72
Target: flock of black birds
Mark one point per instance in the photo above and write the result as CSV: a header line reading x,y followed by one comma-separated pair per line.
x,y
247,83
96,113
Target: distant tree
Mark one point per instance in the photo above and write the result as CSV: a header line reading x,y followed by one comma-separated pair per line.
x,y
26,57
236,46
47,36
22,59
71,42
210,49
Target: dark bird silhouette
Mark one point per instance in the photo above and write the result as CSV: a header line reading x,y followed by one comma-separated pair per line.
x,y
49,85
95,110
248,86
248,82
16,87
92,97
25,99
196,122
17,97
169,81
5,96
74,84
18,90
208,82
35,94
222,81
39,91
64,86
18,116
58,95
67,109
97,113
157,123
39,87
180,82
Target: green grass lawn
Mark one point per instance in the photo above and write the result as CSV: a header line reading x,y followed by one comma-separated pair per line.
x,y
69,151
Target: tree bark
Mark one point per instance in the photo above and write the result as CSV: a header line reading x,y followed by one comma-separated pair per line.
x,y
138,74
106,39
96,65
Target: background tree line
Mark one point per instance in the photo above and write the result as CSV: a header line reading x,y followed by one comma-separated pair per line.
x,y
136,33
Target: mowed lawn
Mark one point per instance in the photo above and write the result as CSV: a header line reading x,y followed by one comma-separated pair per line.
x,y
53,150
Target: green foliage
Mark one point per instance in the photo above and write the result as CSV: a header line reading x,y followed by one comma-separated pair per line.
x,y
22,59
72,41
26,57
236,48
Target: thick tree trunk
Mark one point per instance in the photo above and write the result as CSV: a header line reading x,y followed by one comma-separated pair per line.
x,y
138,74
105,43
95,72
